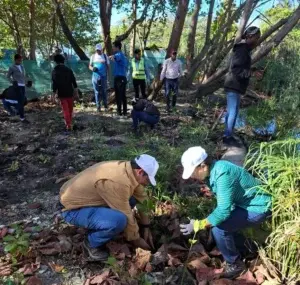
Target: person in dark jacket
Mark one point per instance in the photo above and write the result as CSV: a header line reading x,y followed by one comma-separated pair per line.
x,y
65,87
9,99
144,111
237,78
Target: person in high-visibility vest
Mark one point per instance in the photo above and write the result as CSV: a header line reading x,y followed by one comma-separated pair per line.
x,y
140,74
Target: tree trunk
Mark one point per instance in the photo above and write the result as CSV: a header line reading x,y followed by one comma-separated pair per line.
x,y
32,34
146,34
68,33
244,20
181,12
105,7
192,34
216,80
134,7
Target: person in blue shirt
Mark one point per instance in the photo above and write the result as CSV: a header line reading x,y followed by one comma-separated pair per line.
x,y
99,64
120,80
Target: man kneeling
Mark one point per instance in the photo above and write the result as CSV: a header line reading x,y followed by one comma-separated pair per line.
x,y
144,111
101,199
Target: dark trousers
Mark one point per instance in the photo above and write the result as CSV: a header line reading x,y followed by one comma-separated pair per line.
x,y
141,116
21,100
228,240
120,90
137,84
171,86
11,108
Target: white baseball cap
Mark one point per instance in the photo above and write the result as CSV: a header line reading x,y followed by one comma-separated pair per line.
x,y
98,47
149,164
192,158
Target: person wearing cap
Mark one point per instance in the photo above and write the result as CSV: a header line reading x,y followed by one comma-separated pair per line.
x,y
101,199
144,111
99,64
140,73
171,71
237,79
240,204
16,75
64,86
120,80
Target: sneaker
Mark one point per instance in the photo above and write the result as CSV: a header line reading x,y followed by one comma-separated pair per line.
x,y
97,253
25,121
234,270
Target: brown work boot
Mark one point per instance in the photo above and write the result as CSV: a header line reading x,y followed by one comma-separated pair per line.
x,y
95,253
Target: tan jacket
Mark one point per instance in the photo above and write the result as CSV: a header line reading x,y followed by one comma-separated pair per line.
x,y
111,184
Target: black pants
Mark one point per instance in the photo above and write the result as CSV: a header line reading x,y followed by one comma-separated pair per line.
x,y
137,84
21,100
120,90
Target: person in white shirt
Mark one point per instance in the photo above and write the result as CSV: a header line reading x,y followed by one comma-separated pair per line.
x,y
171,71
99,64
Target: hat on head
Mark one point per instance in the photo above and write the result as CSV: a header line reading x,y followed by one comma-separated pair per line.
x,y
149,164
192,158
98,47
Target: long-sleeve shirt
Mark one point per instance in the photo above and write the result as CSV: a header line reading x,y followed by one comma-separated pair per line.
x,y
63,81
106,184
120,65
235,187
17,73
171,69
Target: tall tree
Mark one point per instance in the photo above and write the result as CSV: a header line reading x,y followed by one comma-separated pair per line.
x,y
192,33
105,7
66,30
32,33
181,13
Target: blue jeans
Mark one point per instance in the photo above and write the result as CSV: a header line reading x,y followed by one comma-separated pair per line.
x,y
141,116
226,235
103,223
171,85
8,107
100,90
233,105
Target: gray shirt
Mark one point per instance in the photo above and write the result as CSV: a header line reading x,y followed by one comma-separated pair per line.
x,y
17,73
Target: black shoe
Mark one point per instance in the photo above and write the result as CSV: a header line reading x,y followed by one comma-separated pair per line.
x,y
25,121
98,109
234,270
230,141
95,254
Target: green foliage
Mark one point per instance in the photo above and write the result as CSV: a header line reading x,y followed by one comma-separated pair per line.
x,y
17,244
277,165
146,207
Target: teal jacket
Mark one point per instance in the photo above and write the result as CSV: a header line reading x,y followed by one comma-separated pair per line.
x,y
235,187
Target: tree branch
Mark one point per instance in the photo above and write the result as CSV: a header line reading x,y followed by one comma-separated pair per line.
x,y
209,21
134,23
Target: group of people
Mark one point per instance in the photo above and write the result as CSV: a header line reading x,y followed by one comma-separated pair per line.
x,y
102,197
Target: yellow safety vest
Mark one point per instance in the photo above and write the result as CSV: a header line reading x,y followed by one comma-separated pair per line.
x,y
140,72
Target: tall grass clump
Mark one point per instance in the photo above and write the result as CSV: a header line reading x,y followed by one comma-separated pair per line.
x,y
277,165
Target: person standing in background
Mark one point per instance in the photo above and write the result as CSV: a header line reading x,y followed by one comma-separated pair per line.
x,y
120,80
172,70
237,79
65,86
140,74
16,75
99,64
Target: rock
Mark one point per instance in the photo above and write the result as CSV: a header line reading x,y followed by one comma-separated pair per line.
x,y
33,147
34,206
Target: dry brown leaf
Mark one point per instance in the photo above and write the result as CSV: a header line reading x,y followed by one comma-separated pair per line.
x,y
196,263
52,248
198,249
173,261
116,248
173,247
260,277
245,279
99,279
87,281
222,281
208,274
215,252
161,256
33,280
133,270
141,258
3,232
148,267
56,267
29,269
5,270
